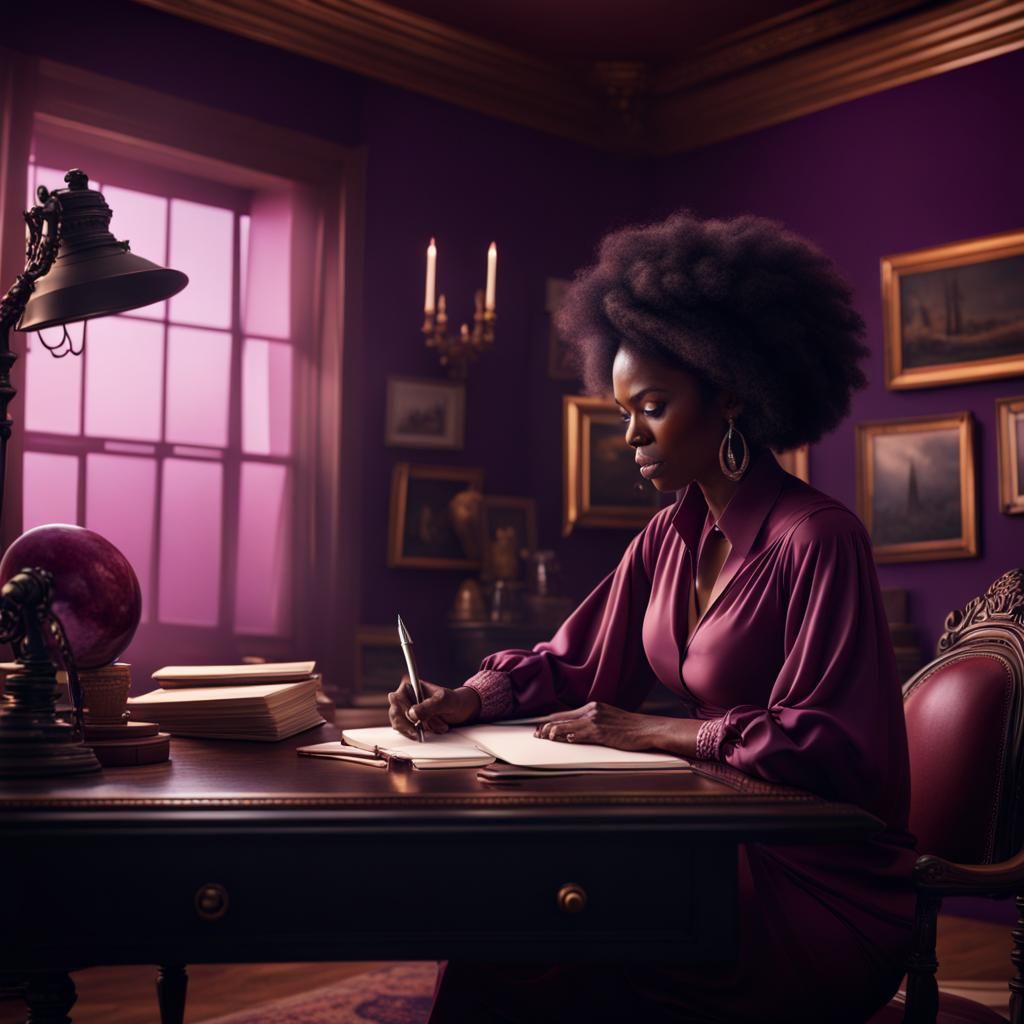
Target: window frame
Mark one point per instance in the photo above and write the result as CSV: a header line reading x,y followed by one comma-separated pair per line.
x,y
130,122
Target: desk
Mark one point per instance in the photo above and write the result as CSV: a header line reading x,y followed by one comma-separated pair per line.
x,y
245,852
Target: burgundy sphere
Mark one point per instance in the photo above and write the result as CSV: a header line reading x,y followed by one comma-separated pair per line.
x,y
96,593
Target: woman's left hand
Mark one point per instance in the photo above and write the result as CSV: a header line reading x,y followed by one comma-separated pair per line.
x,y
601,723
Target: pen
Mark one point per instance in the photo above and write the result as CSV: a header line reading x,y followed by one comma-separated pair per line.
x,y
410,663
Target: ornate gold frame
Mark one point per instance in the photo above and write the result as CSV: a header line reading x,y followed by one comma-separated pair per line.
x,y
578,413
941,257
1011,487
964,546
400,477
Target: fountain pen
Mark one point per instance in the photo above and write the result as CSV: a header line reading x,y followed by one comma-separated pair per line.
x,y
410,663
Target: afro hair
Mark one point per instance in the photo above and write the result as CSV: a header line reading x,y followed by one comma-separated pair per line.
x,y
744,304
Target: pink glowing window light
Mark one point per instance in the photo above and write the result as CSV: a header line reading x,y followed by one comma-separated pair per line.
x,y
172,434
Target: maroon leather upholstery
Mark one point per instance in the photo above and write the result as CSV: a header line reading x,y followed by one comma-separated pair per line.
x,y
958,725
952,1010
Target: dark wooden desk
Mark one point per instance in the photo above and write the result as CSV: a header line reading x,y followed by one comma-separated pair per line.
x,y
245,852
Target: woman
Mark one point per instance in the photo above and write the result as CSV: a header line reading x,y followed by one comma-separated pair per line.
x,y
753,598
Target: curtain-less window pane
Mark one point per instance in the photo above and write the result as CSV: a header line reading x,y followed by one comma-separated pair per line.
x,y
50,485
266,397
123,374
141,220
190,542
262,580
115,484
267,307
202,246
53,389
244,223
198,382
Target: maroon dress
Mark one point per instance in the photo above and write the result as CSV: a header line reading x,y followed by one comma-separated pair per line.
x,y
792,671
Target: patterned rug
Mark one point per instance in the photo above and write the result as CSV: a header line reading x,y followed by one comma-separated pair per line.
x,y
393,995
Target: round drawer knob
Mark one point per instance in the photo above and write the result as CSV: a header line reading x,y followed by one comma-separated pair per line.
x,y
572,898
211,901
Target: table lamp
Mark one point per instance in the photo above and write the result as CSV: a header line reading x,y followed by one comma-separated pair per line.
x,y
75,270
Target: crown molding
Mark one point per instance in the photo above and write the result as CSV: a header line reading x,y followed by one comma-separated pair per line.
x,y
412,52
816,56
902,50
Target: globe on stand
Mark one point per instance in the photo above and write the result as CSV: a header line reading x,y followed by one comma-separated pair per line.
x,y
96,593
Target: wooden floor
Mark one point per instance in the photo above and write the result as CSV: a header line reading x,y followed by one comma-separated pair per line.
x,y
974,958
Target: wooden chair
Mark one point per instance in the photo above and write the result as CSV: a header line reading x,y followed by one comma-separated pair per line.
x,y
965,726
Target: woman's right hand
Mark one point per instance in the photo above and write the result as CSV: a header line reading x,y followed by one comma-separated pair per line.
x,y
440,708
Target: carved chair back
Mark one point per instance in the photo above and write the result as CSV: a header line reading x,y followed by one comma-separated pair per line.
x,y
965,727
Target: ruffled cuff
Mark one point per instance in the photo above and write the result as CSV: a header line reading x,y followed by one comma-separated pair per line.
x,y
495,692
709,739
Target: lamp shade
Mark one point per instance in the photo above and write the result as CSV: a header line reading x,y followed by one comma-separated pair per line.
x,y
94,274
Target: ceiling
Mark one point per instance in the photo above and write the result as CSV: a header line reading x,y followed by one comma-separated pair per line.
x,y
646,77
657,31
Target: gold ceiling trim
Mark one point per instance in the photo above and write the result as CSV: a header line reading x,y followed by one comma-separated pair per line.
x,y
814,57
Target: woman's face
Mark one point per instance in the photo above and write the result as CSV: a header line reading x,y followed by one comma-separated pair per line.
x,y
674,429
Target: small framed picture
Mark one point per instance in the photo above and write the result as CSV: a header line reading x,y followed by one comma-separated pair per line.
x,y
509,535
560,359
1010,442
916,487
435,517
603,487
955,313
425,413
796,461
379,665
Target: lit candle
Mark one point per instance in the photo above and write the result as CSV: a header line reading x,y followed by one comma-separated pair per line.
x,y
428,301
492,274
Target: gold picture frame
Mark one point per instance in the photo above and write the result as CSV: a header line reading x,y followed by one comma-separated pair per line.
x,y
425,530
950,312
916,487
1010,445
599,475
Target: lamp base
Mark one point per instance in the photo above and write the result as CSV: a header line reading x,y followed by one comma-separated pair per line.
x,y
34,742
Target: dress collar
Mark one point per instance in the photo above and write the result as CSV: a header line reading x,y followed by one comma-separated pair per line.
x,y
743,516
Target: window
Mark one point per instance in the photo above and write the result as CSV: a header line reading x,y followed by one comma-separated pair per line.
x,y
172,434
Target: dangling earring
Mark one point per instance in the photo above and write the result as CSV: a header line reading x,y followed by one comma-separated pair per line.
x,y
727,457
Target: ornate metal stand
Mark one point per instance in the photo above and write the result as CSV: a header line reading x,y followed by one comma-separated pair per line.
x,y
33,740
459,351
40,252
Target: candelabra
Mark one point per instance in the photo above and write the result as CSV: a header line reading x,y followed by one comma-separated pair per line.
x,y
459,350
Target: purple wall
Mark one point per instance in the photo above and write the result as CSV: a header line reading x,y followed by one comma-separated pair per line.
x,y
931,162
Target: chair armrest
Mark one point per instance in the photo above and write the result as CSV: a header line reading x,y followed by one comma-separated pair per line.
x,y
945,878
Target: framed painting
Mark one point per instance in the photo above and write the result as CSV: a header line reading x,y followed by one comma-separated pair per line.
x,y
916,487
379,665
435,517
602,487
954,313
425,413
560,358
1010,443
509,535
796,461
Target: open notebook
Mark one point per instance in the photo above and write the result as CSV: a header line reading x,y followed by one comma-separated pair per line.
x,y
477,745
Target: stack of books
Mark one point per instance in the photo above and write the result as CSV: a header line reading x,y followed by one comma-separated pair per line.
x,y
268,701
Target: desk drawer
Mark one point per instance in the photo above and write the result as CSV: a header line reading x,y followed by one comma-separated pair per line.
x,y
200,897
